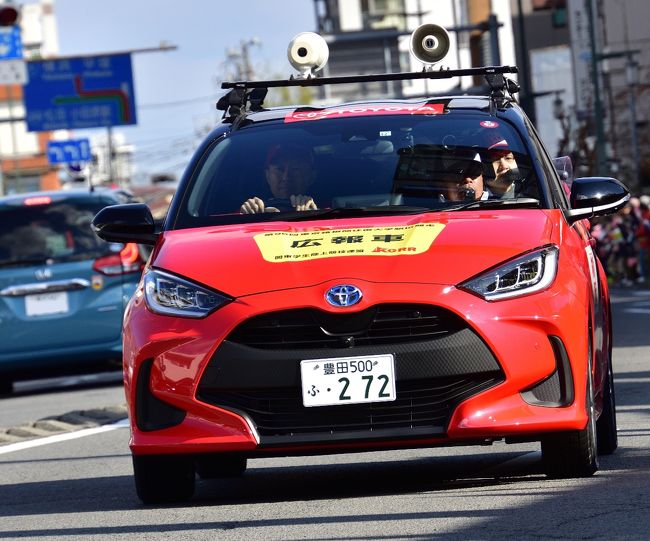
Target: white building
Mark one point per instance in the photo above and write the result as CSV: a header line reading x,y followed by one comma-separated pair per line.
x,y
372,36
23,162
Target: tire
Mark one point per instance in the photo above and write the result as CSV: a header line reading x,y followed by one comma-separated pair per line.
x,y
217,467
6,385
573,454
606,424
163,478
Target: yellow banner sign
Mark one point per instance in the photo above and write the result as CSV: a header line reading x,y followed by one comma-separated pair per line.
x,y
282,246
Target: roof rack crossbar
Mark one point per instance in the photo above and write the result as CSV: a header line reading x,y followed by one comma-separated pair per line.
x,y
320,81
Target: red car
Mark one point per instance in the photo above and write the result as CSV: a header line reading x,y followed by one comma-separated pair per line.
x,y
367,276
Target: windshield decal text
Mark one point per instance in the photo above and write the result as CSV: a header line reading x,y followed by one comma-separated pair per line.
x,y
301,115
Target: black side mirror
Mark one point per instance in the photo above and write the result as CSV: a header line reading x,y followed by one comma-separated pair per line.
x,y
131,222
596,196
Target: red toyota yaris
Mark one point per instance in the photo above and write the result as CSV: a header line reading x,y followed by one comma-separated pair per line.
x,y
364,276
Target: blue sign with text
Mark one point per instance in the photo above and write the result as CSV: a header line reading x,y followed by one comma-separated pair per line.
x,y
72,151
11,45
77,93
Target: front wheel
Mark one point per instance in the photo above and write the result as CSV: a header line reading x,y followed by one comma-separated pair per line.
x,y
163,478
606,424
6,385
217,467
573,454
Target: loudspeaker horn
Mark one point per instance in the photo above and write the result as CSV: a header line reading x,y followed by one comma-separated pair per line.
x,y
308,52
429,43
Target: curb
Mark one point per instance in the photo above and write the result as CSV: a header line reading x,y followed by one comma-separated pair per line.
x,y
68,422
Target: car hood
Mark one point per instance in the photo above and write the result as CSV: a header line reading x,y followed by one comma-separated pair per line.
x,y
437,248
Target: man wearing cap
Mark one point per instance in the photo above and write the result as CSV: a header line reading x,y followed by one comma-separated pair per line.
x,y
289,173
467,183
506,171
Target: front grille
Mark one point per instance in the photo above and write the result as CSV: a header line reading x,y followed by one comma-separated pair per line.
x,y
312,329
280,417
439,362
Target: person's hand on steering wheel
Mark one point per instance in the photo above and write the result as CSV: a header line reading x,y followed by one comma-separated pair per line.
x,y
255,205
303,202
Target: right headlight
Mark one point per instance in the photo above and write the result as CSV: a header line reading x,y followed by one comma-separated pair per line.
x,y
172,295
529,273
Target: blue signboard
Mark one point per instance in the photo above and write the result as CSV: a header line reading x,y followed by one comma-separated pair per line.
x,y
71,151
77,93
11,45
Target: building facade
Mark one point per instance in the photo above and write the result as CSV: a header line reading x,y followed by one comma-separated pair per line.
x,y
23,161
372,36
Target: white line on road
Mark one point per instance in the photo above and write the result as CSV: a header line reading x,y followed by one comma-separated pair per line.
x,y
19,446
631,380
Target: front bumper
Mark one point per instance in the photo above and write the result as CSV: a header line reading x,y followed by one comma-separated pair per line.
x,y
465,385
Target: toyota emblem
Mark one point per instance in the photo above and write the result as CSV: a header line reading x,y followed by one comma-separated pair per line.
x,y
343,295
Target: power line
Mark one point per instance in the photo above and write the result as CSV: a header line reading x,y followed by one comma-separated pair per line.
x,y
178,102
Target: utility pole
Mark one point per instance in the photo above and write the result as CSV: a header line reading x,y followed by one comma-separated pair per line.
x,y
601,156
240,59
527,99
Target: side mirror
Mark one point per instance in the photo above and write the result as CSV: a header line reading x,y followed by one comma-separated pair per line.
x,y
596,196
131,222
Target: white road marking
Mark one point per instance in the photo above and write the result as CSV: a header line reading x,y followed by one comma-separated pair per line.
x,y
637,310
630,380
19,446
638,407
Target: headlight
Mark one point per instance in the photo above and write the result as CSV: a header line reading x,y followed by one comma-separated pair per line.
x,y
173,296
527,274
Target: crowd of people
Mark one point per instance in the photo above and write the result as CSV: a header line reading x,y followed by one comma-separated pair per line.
x,y
623,243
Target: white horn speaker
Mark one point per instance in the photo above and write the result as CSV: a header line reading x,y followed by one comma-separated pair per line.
x,y
308,52
429,43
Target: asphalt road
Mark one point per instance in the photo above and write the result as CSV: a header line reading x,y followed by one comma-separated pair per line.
x,y
82,488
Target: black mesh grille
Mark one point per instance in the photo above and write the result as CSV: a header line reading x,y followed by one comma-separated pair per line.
x,y
309,329
421,403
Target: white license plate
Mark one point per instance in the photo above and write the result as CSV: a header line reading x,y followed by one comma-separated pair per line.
x,y
46,303
348,380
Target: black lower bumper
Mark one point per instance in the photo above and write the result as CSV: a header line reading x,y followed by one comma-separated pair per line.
x,y
432,378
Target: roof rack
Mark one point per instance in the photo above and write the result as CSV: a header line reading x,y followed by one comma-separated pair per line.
x,y
253,92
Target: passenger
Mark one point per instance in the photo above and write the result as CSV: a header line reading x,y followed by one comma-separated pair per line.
x,y
467,181
289,173
506,170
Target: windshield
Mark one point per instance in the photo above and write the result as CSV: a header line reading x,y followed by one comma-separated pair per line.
x,y
401,162
59,231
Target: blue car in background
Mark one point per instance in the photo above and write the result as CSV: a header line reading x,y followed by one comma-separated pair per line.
x,y
62,289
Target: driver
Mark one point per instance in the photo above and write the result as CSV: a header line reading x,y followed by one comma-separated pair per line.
x,y
289,174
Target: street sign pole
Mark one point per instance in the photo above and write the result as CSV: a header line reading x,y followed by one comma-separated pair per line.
x,y
12,71
14,138
109,157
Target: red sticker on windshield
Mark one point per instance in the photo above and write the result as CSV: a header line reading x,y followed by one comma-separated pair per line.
x,y
365,110
489,124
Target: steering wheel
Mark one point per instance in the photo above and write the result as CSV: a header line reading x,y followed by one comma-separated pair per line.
x,y
281,204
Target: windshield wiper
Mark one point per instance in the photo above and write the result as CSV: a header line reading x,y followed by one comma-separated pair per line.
x,y
520,202
355,211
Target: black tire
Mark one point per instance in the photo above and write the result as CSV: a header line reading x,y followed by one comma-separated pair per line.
x,y
217,467
606,424
6,385
573,454
163,479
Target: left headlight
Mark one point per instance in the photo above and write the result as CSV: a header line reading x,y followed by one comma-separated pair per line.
x,y
529,273
171,295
